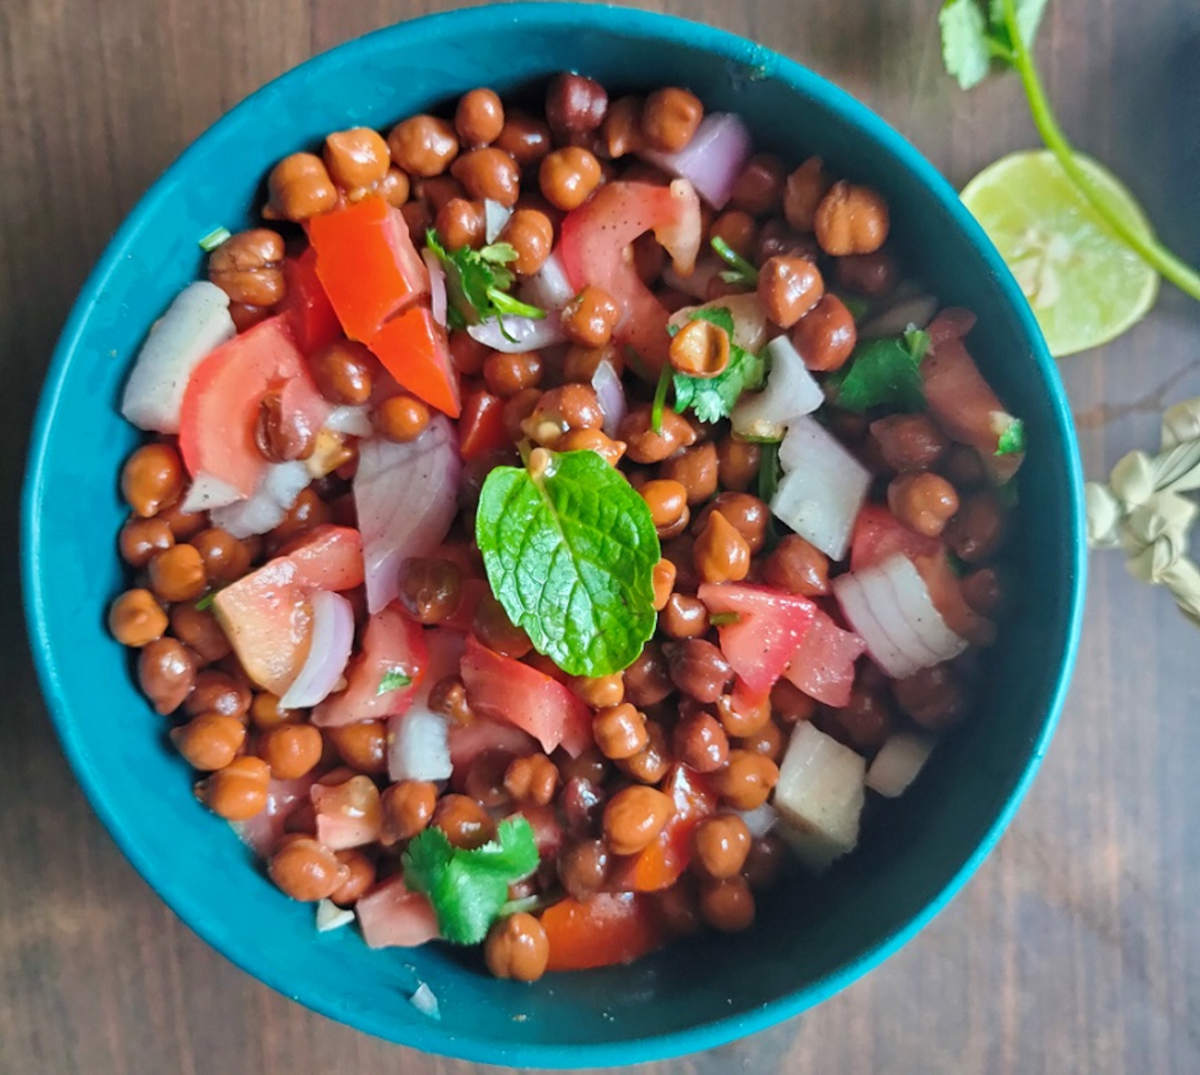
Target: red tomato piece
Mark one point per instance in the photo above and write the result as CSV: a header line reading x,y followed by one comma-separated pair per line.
x,y
501,688
220,405
468,741
262,832
413,348
392,917
306,306
662,863
770,626
878,534
481,427
391,642
348,814
604,930
547,832
328,558
952,323
367,264
823,664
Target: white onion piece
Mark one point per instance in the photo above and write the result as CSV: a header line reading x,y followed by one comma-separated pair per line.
x,y
207,492
916,603
857,610
790,392
425,1001
898,762
712,159
277,491
418,747
356,421
332,639
548,288
406,496
823,488
527,333
610,394
695,285
196,321
759,821
749,320
437,286
330,916
886,609
915,311
495,216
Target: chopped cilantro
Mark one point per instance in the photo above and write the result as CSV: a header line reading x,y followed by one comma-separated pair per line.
x,y
660,398
740,271
213,239
477,283
723,619
768,470
393,679
882,373
1012,440
206,602
713,398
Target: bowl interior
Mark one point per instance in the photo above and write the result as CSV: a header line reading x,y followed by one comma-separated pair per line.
x,y
810,938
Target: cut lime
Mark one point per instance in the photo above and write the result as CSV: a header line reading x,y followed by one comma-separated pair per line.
x,y
1085,286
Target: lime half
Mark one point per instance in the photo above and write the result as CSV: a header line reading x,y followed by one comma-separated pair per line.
x,y
1085,286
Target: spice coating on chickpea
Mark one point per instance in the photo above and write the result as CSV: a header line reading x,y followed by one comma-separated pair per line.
x,y
248,267
851,220
634,816
670,118
568,176
788,287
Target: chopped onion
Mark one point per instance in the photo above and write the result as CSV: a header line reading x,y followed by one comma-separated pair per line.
x,y
695,285
425,1001
823,487
790,392
406,496
712,159
332,639
549,287
610,394
898,762
527,333
749,320
356,421
913,311
495,216
207,492
858,612
916,603
437,286
761,820
881,598
277,491
331,916
418,746
196,321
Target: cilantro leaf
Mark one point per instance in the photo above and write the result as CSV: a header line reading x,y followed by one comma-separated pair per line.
x,y
713,398
477,283
882,373
660,398
740,271
1012,440
768,471
468,888
214,238
1029,15
965,48
206,602
570,548
393,679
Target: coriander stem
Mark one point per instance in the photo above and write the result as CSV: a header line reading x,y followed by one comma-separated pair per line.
x,y
1150,250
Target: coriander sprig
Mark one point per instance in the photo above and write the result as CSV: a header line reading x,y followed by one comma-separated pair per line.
x,y
740,271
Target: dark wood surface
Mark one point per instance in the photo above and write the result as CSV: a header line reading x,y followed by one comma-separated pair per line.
x,y
1076,949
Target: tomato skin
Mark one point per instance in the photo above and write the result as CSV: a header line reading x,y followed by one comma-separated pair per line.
x,y
327,558
823,664
413,349
468,741
307,307
878,534
481,427
605,930
391,916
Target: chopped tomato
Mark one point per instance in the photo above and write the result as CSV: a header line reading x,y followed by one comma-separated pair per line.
x,y
952,323
367,264
327,557
823,664
262,832
547,832
662,863
481,427
501,688
392,645
878,534
605,930
220,405
412,347
306,306
348,814
770,624
392,917
468,741
594,250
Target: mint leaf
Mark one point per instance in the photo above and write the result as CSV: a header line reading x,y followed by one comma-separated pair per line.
x,y
713,398
882,373
393,679
570,548
1012,440
477,283
965,43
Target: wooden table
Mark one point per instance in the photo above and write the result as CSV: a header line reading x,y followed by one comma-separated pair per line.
x,y
1077,947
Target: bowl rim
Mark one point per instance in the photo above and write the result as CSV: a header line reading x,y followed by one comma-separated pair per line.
x,y
641,24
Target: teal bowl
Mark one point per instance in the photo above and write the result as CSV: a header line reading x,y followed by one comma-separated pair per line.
x,y
811,939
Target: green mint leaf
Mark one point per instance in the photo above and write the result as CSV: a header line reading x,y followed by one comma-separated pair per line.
x,y
660,398
881,373
393,679
569,550
713,398
740,271
213,239
1012,440
966,50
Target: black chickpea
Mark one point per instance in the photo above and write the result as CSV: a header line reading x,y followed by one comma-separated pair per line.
x,y
662,580
788,288
720,552
747,514
136,619
479,117
737,230
701,743
978,530
619,730
909,441
575,104
738,463
177,574
698,668
923,501
140,539
798,567
646,680
758,187
299,187
645,445
851,220
166,673
622,129
874,274
683,617
507,374
224,557
524,138
802,193
530,233
668,504
344,372
199,631
215,691
700,349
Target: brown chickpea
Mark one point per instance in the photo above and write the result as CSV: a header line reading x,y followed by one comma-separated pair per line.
x,y
865,721
622,128
590,766
136,619
670,118
496,631
479,117
619,731
826,335
634,816
650,764
177,574
727,905
281,436
868,274
568,176
224,557
737,230
758,187
248,267
394,188
299,187
484,781
701,743
599,691
737,463
590,317
583,868
435,192
423,145
776,238
748,515
407,809
698,668
790,704
152,478
722,844
575,104
488,173
747,780
592,440
400,418
237,791
308,511
465,823
720,553
517,948
667,501
581,363
531,235
448,696
343,371
209,741
696,469
683,617
430,588
647,446
699,349
743,717
533,779
851,220
767,741
140,539
306,870
982,590
524,138
507,374
266,712
802,194
216,691
357,158
200,632
909,441
419,218
798,567
467,354
764,862
963,467
662,579
558,411
978,530
183,524
932,697
923,501
678,908
361,877
788,287
646,680
362,745
291,750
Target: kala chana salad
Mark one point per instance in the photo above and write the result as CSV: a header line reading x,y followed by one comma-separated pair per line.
x,y
550,524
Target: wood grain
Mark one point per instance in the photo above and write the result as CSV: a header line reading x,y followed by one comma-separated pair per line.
x,y
1077,947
